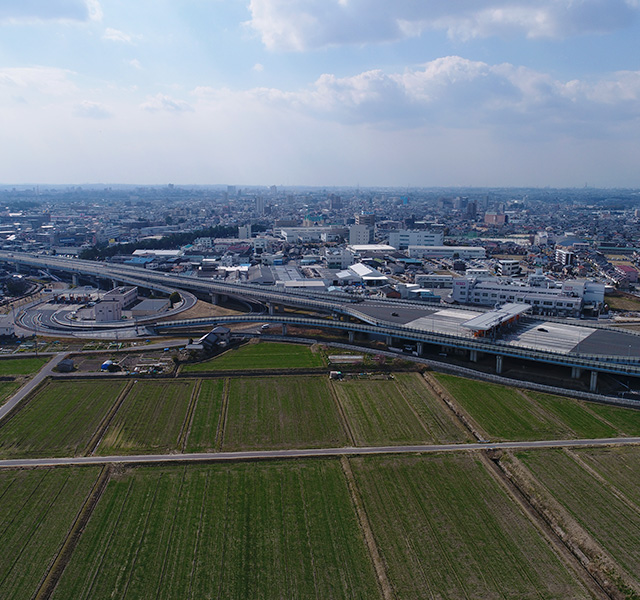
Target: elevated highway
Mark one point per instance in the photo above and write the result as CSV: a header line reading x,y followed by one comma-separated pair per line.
x,y
612,351
603,363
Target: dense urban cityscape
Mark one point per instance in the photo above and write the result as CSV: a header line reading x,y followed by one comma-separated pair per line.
x,y
409,243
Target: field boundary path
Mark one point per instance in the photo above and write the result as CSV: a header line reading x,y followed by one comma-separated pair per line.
x,y
253,455
367,532
73,536
564,550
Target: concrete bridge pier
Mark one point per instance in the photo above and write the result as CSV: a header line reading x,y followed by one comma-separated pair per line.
x,y
420,348
593,382
284,329
473,355
576,372
352,336
388,340
74,279
271,308
215,298
499,358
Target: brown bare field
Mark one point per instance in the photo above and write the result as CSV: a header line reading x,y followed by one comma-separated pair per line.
x,y
205,309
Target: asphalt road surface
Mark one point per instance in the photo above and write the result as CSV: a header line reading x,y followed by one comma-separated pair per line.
x,y
309,453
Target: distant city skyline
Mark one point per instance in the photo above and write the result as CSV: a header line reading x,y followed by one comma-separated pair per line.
x,y
334,93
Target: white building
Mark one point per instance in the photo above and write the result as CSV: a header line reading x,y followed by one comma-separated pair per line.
x,y
464,252
125,295
509,268
361,273
244,232
403,238
432,280
107,310
7,327
360,234
338,258
565,257
570,299
292,235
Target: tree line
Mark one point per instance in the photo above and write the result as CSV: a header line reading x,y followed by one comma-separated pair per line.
x,y
103,250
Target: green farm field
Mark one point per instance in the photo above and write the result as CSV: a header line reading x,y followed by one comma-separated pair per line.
x,y
506,413
262,355
22,366
37,509
59,420
282,412
253,530
7,389
446,529
150,420
206,424
397,411
601,490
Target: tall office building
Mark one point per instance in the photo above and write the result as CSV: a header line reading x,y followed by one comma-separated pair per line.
x,y
365,219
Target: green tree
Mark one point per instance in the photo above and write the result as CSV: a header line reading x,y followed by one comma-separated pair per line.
x,y
174,298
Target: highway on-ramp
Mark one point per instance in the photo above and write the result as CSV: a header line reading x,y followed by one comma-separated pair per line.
x,y
309,453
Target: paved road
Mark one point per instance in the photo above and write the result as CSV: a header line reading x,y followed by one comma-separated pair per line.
x,y
308,453
32,384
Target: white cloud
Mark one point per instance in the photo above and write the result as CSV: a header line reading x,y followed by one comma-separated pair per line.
x,y
135,63
49,10
161,102
92,110
258,68
303,24
453,93
49,81
115,35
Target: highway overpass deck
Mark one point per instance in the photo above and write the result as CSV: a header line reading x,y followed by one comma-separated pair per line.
x,y
596,348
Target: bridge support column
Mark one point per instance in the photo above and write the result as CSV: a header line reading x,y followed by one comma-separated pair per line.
x,y
499,364
114,284
420,348
215,298
284,329
388,340
576,372
473,355
271,308
352,335
593,383
74,279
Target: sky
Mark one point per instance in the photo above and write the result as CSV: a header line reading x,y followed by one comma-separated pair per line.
x,y
414,93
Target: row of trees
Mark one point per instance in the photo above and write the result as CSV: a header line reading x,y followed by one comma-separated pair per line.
x,y
168,242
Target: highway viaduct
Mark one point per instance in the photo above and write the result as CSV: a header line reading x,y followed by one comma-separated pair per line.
x,y
342,312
